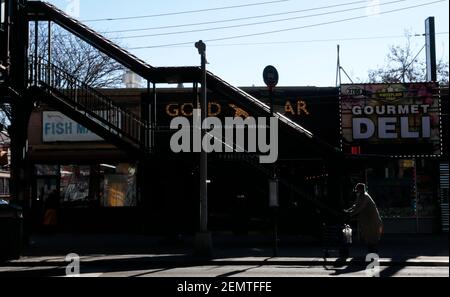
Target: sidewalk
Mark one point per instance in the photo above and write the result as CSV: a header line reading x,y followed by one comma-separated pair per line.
x,y
125,255
417,250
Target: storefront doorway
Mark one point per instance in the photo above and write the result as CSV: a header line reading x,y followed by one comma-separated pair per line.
x,y
405,192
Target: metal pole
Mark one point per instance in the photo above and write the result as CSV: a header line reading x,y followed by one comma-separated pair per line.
x,y
271,101
275,232
146,116
338,70
430,36
274,176
203,155
204,238
416,193
154,117
49,50
36,50
149,119
195,95
8,24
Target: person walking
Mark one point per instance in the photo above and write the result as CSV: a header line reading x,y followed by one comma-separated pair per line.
x,y
368,217
51,211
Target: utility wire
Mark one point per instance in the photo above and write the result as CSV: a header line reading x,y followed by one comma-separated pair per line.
x,y
186,12
294,28
314,40
236,19
414,60
258,23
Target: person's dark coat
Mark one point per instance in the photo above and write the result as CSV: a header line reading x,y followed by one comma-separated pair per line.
x,y
369,220
51,210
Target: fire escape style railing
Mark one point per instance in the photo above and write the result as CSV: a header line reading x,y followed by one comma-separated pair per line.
x,y
95,105
38,10
90,102
214,79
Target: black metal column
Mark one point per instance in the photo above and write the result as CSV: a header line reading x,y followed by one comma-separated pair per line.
x,y
146,112
430,37
21,106
203,239
153,118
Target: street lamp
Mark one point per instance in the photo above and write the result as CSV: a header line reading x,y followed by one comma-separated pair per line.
x,y
271,78
203,242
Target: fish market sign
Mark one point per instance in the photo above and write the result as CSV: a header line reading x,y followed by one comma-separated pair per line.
x,y
56,127
381,118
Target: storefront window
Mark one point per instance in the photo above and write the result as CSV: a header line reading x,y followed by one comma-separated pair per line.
x,y
119,185
4,187
105,185
47,181
75,184
427,190
47,170
394,190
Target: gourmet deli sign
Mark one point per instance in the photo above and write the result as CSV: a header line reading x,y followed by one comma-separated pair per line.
x,y
391,119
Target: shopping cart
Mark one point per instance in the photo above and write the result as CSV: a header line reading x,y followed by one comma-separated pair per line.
x,y
336,239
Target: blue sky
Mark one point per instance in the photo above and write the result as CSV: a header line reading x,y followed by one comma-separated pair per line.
x,y
303,57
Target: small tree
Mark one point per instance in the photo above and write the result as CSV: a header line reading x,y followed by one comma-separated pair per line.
x,y
74,56
77,57
405,65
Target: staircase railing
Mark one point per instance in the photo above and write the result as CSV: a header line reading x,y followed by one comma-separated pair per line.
x,y
90,102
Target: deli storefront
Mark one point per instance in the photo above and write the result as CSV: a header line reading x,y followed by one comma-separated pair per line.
x,y
402,122
100,186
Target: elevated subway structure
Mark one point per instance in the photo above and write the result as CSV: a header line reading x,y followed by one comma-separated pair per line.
x,y
31,78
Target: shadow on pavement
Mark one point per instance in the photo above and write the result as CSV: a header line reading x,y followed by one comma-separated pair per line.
x,y
342,267
115,253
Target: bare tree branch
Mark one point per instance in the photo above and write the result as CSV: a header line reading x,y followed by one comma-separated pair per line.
x,y
75,56
403,65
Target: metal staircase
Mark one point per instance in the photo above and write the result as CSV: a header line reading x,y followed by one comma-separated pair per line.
x,y
99,114
42,11
88,107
